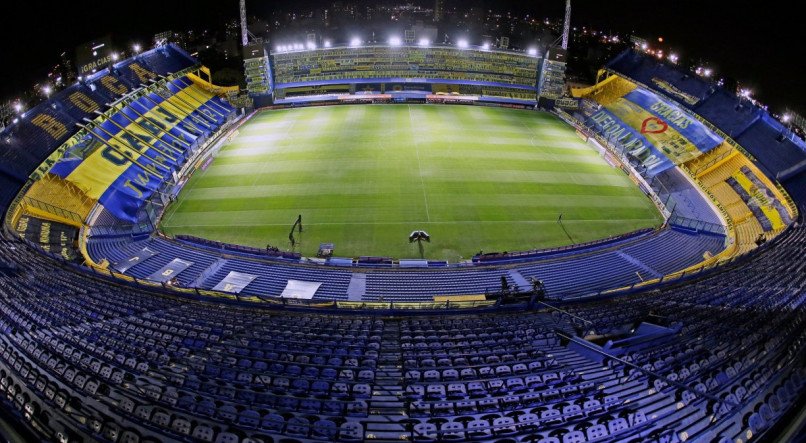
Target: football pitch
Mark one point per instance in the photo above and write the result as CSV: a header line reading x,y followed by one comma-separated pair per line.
x,y
365,176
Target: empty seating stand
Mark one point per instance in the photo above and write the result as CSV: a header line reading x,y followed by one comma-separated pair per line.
x,y
91,360
584,272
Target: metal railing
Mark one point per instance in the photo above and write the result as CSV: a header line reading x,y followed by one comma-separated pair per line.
x,y
711,162
697,225
54,210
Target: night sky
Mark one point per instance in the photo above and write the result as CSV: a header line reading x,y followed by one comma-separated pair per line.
x,y
759,46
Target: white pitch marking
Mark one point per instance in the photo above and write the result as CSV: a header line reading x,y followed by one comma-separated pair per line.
x,y
419,166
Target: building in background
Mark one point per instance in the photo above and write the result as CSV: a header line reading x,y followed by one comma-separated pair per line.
x,y
439,11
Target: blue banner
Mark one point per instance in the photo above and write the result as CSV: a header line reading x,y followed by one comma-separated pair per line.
x,y
65,166
621,134
126,194
694,131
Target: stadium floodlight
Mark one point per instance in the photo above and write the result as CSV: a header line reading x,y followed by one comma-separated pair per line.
x,y
328,44
644,46
707,72
15,120
486,46
673,58
532,52
115,56
462,44
299,46
136,47
311,45
18,107
745,93
47,90
424,42
786,118
355,42
395,41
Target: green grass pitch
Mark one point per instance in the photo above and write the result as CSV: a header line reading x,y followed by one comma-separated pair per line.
x,y
365,176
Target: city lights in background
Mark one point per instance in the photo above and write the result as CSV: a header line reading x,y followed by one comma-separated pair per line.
x,y
786,118
674,58
47,90
18,107
745,93
115,56
137,48
705,72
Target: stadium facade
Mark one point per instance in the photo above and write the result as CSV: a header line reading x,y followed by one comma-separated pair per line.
x,y
418,71
152,338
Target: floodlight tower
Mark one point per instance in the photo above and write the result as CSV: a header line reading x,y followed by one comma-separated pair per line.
x,y
566,25
551,68
244,30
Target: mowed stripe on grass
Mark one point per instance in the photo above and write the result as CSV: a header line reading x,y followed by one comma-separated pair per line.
x,y
364,177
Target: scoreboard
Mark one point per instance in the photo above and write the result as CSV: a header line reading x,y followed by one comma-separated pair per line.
x,y
95,55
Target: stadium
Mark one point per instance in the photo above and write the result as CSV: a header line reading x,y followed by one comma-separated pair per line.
x,y
401,241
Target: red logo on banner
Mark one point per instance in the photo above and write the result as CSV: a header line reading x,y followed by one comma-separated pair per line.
x,y
654,125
